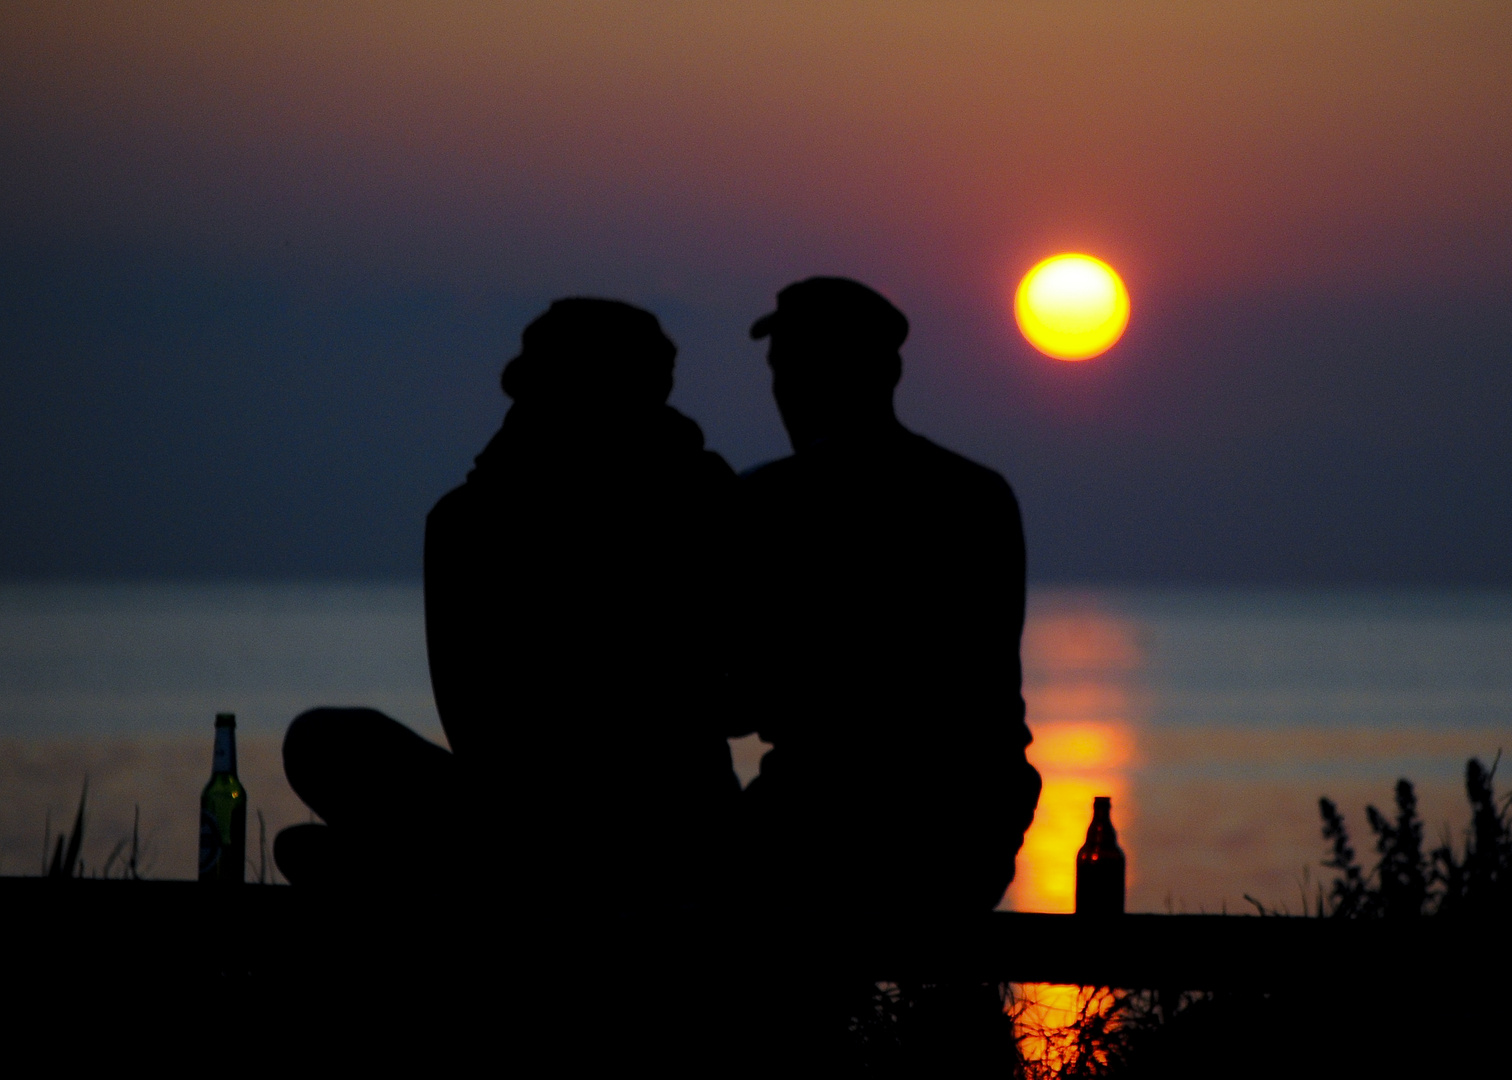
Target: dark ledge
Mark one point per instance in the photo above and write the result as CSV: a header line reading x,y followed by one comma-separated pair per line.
x,y
177,929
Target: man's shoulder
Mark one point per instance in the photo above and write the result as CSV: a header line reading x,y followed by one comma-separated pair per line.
x,y
931,455
955,478
905,453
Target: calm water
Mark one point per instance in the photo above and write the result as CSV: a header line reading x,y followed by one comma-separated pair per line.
x,y
1215,719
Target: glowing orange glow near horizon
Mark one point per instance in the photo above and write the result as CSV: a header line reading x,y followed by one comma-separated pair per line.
x,y
1078,761
1072,306
1085,745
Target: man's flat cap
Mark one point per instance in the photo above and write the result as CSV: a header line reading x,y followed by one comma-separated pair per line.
x,y
838,310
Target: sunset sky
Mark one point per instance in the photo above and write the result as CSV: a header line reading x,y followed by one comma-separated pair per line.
x,y
260,263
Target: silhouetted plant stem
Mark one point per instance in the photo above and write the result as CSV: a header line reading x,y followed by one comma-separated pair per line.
x,y
136,819
1349,892
65,859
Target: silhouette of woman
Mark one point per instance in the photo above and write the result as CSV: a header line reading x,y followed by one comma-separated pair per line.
x,y
566,593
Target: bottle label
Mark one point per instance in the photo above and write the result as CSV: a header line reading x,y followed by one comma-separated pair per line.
x,y
210,843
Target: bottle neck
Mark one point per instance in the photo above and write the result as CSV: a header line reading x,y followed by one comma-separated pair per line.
x,y
224,760
1101,832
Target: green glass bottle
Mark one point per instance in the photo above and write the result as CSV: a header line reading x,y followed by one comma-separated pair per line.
x,y
223,811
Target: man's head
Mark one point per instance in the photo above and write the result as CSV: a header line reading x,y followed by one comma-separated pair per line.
x,y
834,357
585,351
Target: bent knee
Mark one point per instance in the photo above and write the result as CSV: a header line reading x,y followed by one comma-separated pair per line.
x,y
318,738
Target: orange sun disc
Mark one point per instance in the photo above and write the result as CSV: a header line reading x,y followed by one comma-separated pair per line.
x,y
1071,306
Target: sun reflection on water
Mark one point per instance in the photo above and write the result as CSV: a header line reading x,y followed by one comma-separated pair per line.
x,y
1057,1026
1078,761
1077,668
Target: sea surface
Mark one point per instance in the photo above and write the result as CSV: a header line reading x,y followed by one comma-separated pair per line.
x,y
1214,718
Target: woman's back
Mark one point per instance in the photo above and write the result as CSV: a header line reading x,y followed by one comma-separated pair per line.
x,y
567,610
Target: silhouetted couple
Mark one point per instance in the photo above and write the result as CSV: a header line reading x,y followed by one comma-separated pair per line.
x,y
606,604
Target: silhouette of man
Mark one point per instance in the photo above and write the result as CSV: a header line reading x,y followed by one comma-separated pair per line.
x,y
883,612
565,585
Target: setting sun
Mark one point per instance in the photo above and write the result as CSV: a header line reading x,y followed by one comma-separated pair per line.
x,y
1071,306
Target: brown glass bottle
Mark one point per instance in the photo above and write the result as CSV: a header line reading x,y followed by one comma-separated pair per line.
x,y
223,812
1100,865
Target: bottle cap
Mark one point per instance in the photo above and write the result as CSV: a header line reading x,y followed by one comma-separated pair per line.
x,y
225,719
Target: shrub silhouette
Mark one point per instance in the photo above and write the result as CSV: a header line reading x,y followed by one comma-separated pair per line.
x,y
1480,882
1407,883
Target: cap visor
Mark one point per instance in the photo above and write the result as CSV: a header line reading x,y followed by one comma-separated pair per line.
x,y
762,327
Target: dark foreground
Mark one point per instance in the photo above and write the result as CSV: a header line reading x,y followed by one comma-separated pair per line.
x,y
396,978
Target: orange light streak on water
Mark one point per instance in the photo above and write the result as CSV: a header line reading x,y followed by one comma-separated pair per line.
x,y
1084,746
1047,1017
1078,762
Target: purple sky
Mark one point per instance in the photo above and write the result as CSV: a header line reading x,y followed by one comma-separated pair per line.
x,y
259,265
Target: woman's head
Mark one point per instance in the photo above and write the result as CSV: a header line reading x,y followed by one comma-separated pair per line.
x,y
585,351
